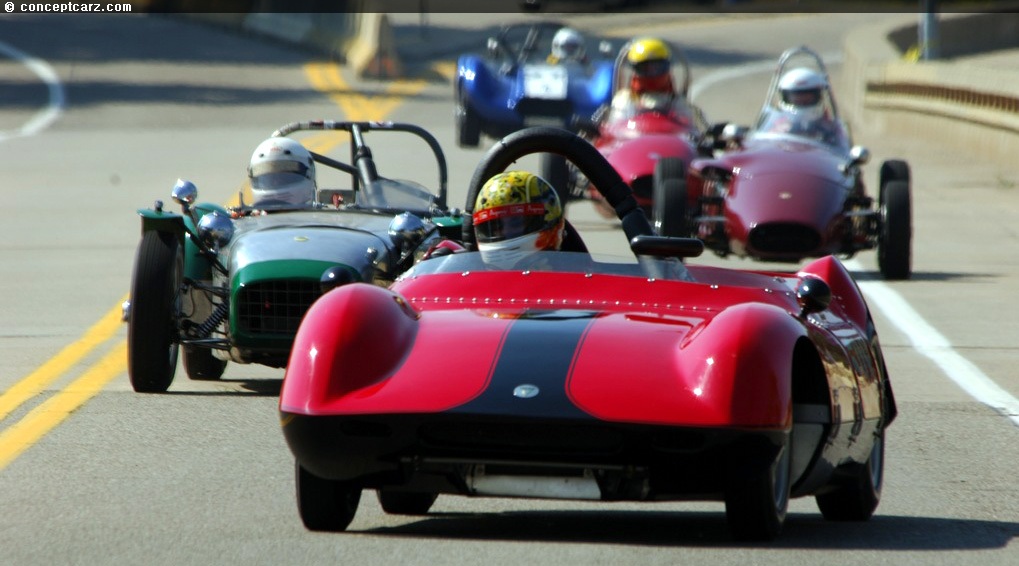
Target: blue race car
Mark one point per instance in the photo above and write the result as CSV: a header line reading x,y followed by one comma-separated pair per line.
x,y
516,84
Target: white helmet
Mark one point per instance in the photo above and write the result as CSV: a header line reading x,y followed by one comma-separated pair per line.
x,y
803,92
282,174
568,44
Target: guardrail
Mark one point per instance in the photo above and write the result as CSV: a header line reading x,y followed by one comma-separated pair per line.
x,y
957,102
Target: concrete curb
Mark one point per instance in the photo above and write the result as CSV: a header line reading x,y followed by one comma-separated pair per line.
x,y
956,100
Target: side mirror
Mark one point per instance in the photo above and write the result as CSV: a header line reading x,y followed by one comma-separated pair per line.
x,y
813,295
734,133
858,155
185,193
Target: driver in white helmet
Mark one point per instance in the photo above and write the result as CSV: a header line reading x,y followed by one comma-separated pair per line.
x,y
568,45
282,175
806,108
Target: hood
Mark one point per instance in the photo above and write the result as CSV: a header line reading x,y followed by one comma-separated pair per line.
x,y
351,239
642,363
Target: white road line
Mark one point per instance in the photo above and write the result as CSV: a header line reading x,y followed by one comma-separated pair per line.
x,y
57,100
929,342
924,338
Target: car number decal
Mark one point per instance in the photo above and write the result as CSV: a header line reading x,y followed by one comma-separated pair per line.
x,y
545,81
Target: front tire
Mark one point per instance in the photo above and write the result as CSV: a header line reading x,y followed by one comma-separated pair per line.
x,y
325,505
467,122
152,345
668,197
895,240
757,498
859,492
554,169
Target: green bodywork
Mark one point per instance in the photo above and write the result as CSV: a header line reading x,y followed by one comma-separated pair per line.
x,y
289,270
196,266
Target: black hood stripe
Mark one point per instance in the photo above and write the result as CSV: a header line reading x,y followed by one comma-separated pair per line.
x,y
540,351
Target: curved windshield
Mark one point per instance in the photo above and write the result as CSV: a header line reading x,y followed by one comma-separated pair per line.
x,y
821,130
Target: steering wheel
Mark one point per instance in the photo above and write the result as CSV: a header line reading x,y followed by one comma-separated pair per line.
x,y
574,148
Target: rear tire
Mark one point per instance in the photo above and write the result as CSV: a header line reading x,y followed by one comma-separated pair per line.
x,y
406,502
668,197
201,365
152,345
856,498
895,240
757,499
325,505
468,124
554,169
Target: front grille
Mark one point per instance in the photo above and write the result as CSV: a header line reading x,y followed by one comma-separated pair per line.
x,y
537,109
784,238
275,307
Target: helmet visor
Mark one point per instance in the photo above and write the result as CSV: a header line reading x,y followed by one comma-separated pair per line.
x,y
276,174
508,221
651,68
807,97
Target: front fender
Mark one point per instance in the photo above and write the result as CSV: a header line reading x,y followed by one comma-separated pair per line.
x,y
743,358
352,338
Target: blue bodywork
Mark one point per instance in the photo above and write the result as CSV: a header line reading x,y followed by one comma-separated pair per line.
x,y
491,89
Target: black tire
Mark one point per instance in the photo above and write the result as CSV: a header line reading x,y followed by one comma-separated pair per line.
x,y
859,489
406,502
757,498
895,240
201,365
554,169
893,170
325,505
668,197
468,124
152,345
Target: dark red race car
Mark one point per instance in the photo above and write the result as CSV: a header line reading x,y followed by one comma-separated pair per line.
x,y
577,377
650,144
791,187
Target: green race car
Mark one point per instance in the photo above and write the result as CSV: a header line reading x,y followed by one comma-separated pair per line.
x,y
232,284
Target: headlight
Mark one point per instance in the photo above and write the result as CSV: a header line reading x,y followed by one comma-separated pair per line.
x,y
407,230
216,229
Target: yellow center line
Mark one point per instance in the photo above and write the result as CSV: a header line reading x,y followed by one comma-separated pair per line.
x,y
48,415
36,381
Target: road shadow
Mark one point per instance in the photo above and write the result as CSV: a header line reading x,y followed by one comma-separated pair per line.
x,y
268,387
676,529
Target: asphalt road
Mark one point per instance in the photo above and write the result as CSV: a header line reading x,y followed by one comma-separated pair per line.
x,y
93,473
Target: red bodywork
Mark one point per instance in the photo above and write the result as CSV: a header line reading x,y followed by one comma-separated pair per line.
x,y
633,145
428,371
780,199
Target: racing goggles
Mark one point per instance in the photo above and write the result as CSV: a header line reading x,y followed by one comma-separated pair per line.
x,y
509,221
276,174
651,68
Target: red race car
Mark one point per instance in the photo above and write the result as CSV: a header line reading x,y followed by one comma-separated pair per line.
x,y
791,187
649,135
640,379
